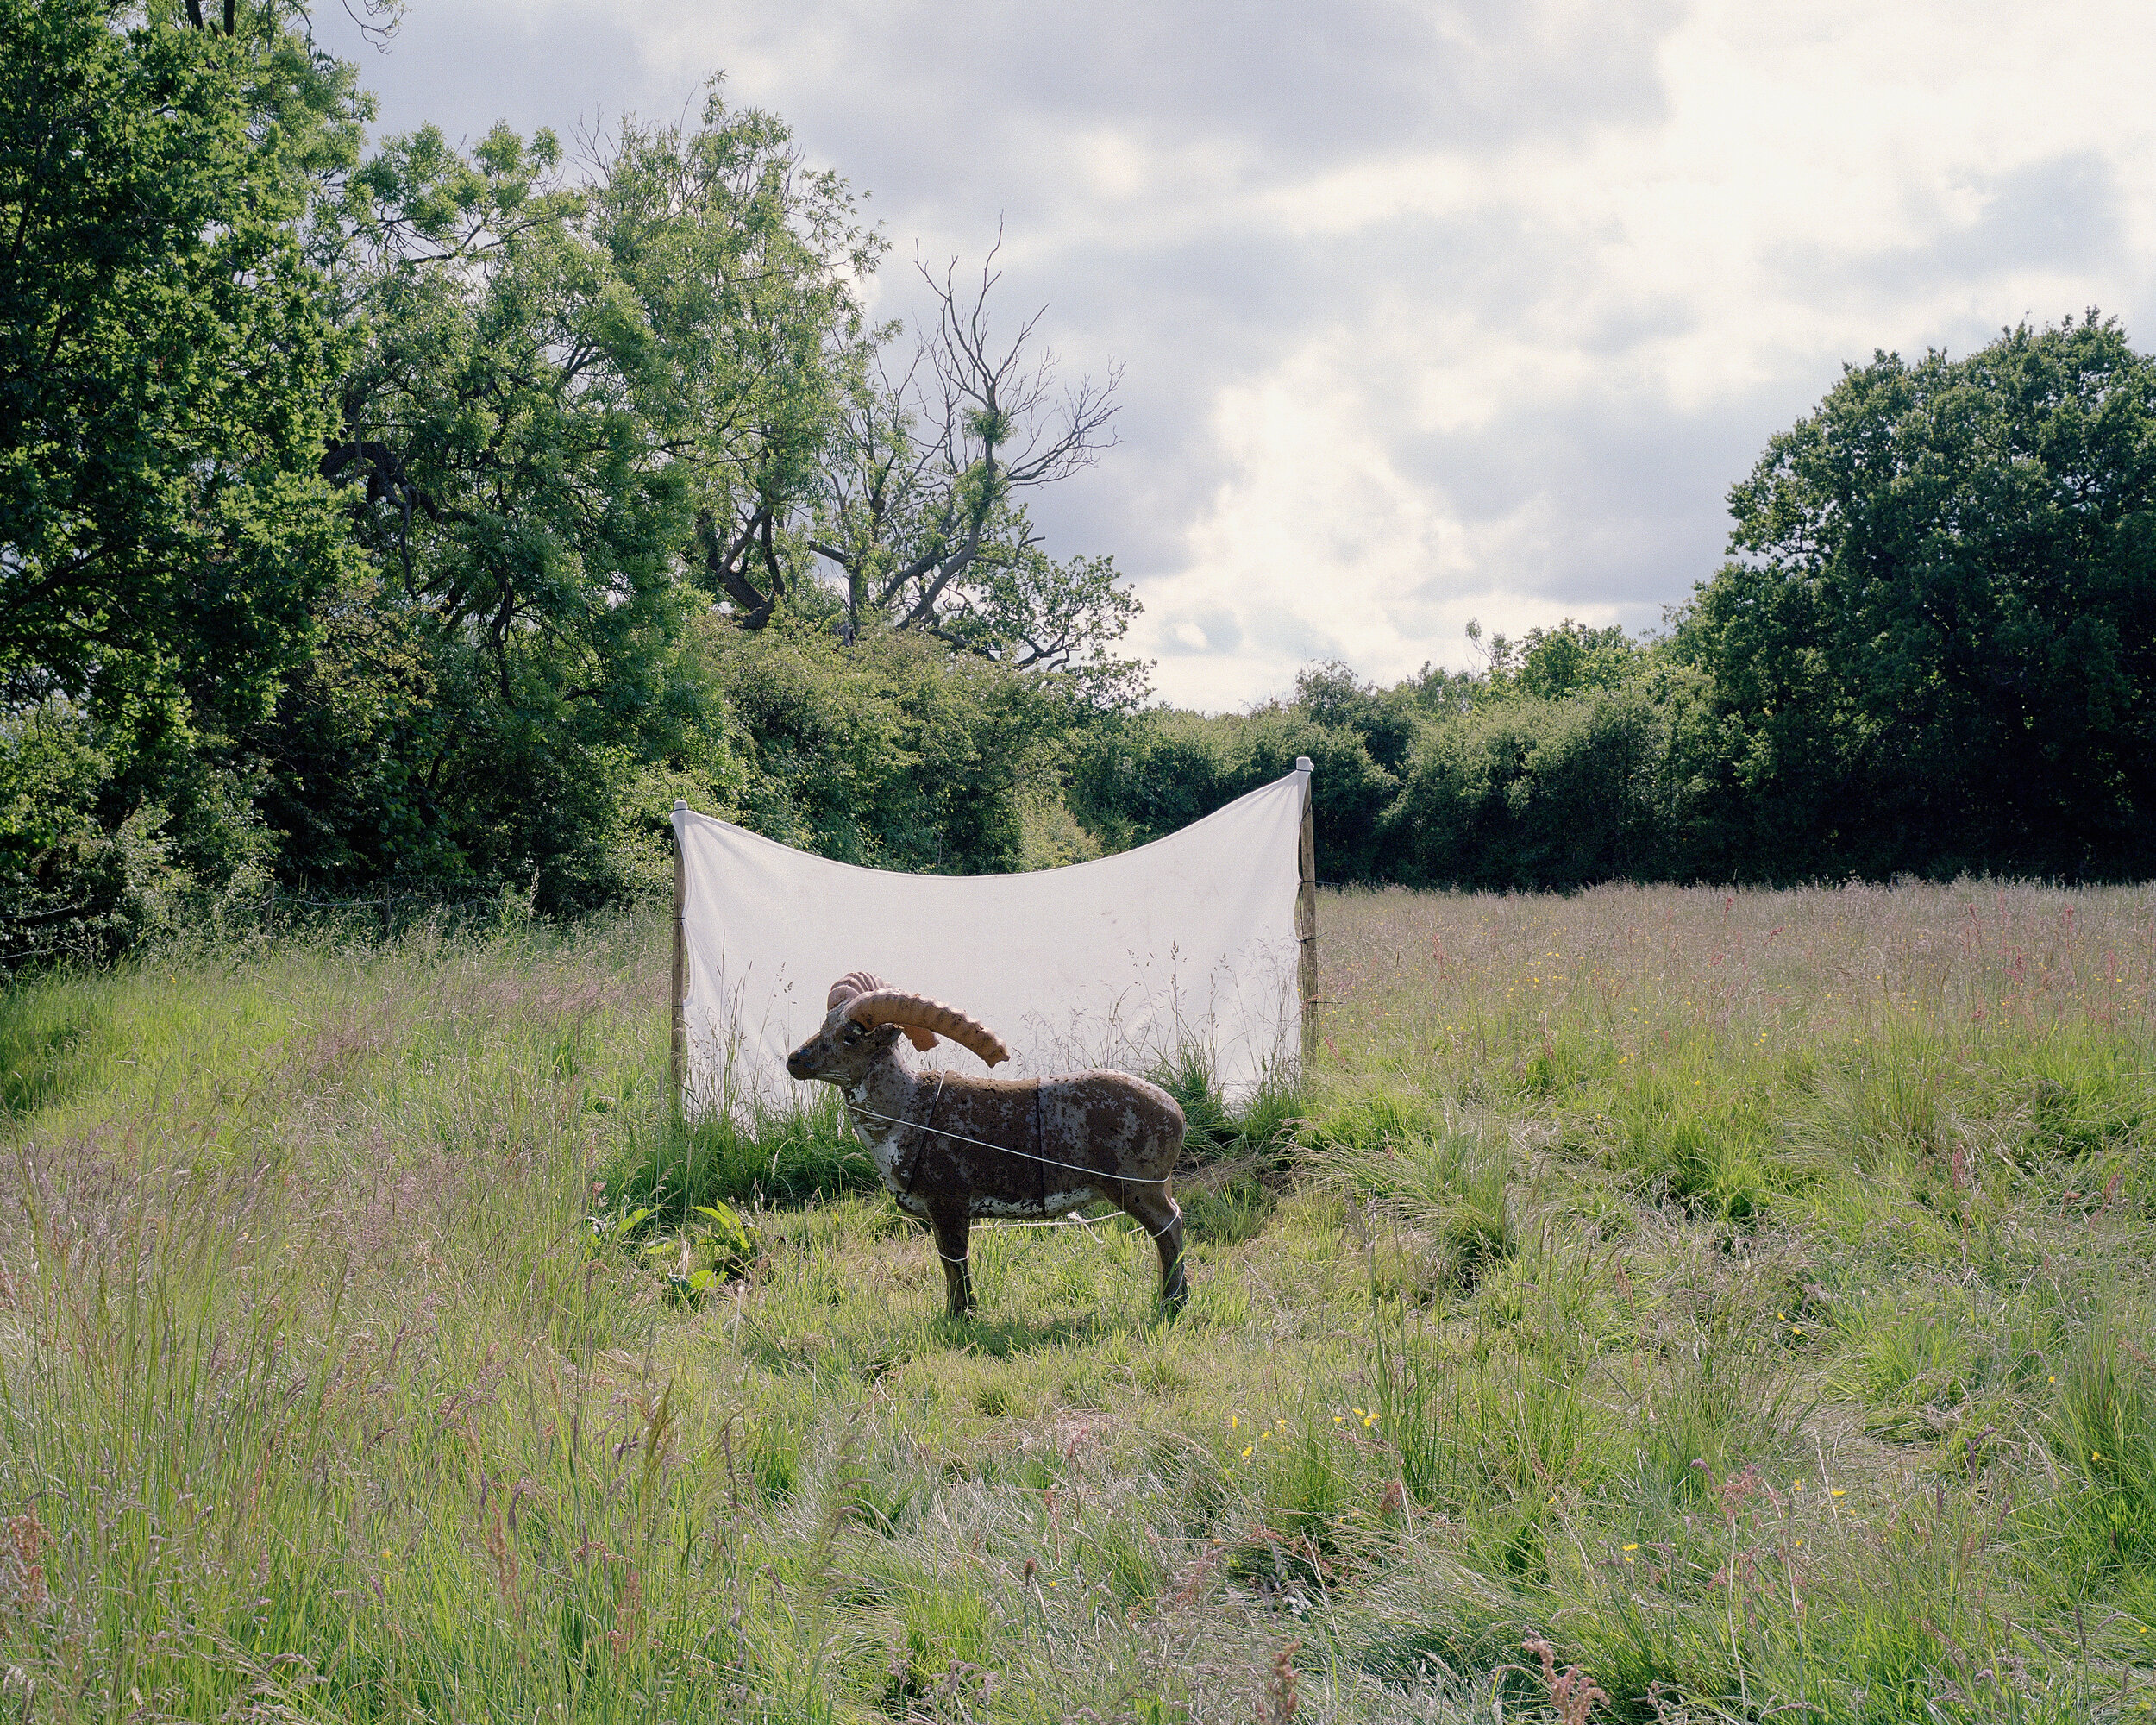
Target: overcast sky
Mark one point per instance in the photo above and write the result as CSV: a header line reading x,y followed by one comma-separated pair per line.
x,y
1428,311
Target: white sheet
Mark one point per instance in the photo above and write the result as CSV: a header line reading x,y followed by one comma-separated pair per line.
x,y
1122,962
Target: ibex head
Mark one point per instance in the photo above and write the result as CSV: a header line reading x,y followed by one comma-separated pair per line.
x,y
864,1020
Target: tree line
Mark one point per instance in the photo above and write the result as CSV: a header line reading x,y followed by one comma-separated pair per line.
x,y
428,517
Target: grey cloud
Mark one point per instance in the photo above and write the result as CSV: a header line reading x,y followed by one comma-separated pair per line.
x,y
1272,637
921,105
1288,637
1620,328
906,86
1191,317
1633,487
2064,213
948,113
464,67
1223,633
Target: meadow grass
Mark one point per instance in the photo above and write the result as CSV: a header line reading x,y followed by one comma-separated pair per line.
x,y
1744,1297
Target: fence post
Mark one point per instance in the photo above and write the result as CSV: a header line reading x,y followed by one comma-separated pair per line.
x,y
678,1051
1307,918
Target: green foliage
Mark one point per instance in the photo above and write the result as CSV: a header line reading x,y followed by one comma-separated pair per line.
x,y
516,676
1581,768
1548,664
163,360
1024,610
1135,779
1559,792
166,354
785,1158
1934,650
71,888
891,752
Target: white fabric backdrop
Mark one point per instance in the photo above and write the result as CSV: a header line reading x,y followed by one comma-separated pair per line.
x,y
1114,963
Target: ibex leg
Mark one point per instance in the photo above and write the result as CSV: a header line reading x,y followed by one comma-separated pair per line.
x,y
1157,1213
952,1227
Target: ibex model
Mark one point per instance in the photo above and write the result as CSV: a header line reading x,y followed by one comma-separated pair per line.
x,y
952,1147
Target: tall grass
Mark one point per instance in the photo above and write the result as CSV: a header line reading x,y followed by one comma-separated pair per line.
x,y
1743,1296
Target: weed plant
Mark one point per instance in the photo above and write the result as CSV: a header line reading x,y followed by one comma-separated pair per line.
x,y
1654,1305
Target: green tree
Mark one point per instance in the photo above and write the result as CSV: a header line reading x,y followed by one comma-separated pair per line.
x,y
583,423
1024,610
551,386
1935,647
164,365
163,371
1334,697
745,269
1545,664
1136,778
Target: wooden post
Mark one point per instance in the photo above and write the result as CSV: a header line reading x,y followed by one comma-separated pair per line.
x,y
678,1059
1307,918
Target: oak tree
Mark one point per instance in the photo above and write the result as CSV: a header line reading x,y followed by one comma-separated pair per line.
x,y
1935,645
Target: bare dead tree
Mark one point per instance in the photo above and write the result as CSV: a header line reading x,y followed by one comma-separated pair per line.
x,y
936,456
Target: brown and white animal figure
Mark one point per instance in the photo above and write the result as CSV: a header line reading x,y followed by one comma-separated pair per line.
x,y
952,1147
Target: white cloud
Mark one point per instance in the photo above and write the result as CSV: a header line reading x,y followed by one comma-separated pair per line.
x,y
1428,312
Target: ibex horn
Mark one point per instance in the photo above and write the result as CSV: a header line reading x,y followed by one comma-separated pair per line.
x,y
858,983
917,1013
853,983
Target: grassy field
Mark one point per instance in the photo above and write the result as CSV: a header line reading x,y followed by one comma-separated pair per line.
x,y
1745,1299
